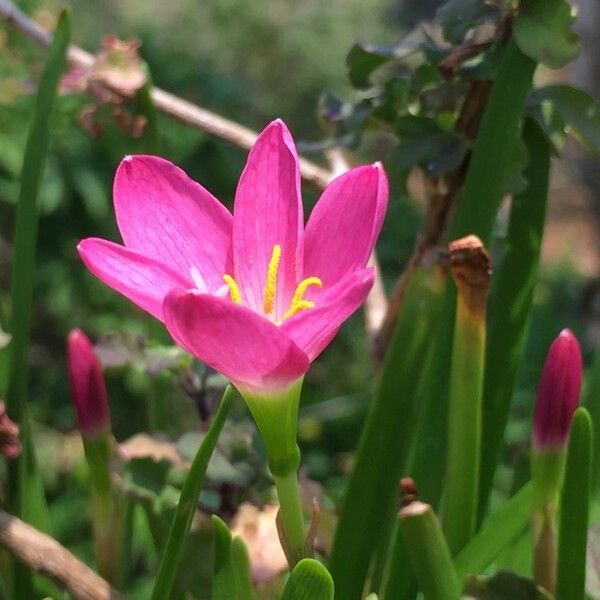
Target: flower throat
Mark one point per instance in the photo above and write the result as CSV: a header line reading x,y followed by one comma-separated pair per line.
x,y
298,301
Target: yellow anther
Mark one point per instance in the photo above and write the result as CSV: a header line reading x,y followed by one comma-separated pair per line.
x,y
298,302
234,290
271,284
303,286
296,308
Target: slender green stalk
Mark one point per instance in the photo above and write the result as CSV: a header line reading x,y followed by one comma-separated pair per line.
x,y
188,501
429,553
510,303
290,507
574,510
471,271
276,416
504,526
24,489
385,441
106,511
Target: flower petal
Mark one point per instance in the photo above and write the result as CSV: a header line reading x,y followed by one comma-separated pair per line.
x,y
245,347
313,328
143,280
343,227
161,212
268,211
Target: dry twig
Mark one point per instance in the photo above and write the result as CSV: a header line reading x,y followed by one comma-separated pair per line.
x,y
46,556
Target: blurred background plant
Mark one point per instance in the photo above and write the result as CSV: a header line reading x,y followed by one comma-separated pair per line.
x,y
251,62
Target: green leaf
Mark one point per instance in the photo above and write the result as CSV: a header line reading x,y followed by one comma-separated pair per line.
x,y
564,109
361,61
510,303
187,502
24,488
240,562
493,149
309,580
223,585
364,59
516,181
503,586
457,17
543,32
498,532
574,510
386,439
591,400
423,143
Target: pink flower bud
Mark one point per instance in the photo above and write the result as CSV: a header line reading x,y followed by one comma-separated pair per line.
x,y
558,392
88,390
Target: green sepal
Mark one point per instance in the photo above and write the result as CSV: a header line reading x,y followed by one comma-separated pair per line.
x,y
276,416
546,472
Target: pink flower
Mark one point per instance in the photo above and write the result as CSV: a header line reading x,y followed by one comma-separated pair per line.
x,y
88,390
257,296
558,392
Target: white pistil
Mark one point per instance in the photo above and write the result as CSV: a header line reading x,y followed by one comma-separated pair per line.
x,y
198,280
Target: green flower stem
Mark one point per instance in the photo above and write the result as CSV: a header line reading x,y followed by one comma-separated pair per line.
x,y
290,507
276,416
188,501
574,511
470,268
464,434
429,553
106,514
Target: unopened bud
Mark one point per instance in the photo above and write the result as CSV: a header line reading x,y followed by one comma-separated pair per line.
x,y
88,390
558,393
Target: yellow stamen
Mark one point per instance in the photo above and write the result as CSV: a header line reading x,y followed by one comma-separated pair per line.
x,y
234,290
271,284
298,302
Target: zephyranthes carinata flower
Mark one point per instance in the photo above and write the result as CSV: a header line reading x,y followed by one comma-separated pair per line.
x,y
257,296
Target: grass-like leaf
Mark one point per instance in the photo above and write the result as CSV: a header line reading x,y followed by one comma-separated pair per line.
x,y
25,491
188,501
497,533
510,303
574,510
385,442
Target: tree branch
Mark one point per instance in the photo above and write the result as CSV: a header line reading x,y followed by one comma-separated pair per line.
x,y
46,556
169,104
